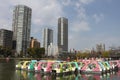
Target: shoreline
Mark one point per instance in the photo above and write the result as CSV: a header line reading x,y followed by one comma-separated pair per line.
x,y
29,58
20,58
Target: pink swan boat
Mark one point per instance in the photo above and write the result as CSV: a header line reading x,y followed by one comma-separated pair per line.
x,y
91,66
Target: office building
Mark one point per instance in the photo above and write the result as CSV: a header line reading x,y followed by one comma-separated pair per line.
x,y
21,28
62,40
6,38
48,38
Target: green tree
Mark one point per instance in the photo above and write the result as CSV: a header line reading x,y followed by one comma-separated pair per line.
x,y
105,54
83,55
36,52
79,55
5,52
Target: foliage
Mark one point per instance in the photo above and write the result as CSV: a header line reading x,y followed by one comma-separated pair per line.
x,y
36,52
105,54
5,52
82,54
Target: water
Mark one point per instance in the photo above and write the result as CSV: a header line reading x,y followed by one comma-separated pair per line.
x,y
8,72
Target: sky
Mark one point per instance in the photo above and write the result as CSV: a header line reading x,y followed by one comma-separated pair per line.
x,y
90,22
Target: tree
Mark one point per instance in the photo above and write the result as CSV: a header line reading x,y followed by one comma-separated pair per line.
x,y
31,52
36,52
5,52
105,54
82,55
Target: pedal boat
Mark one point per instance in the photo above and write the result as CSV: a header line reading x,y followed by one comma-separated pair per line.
x,y
31,66
25,65
19,64
46,67
92,67
61,68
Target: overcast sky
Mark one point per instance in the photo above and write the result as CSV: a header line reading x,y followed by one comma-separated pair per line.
x,y
90,21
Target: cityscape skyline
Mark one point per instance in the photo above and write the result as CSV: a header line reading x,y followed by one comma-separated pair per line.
x,y
90,21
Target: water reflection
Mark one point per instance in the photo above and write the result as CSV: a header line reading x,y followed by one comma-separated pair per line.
x,y
24,75
7,72
38,76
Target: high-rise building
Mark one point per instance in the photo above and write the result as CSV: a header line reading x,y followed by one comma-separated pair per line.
x,y
48,38
6,38
21,28
34,43
62,34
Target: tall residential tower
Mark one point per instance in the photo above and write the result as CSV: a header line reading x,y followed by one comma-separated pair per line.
x,y
62,34
21,28
48,39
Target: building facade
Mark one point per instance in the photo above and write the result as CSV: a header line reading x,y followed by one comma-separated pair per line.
x,y
62,40
48,38
52,50
6,38
21,28
100,47
34,43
